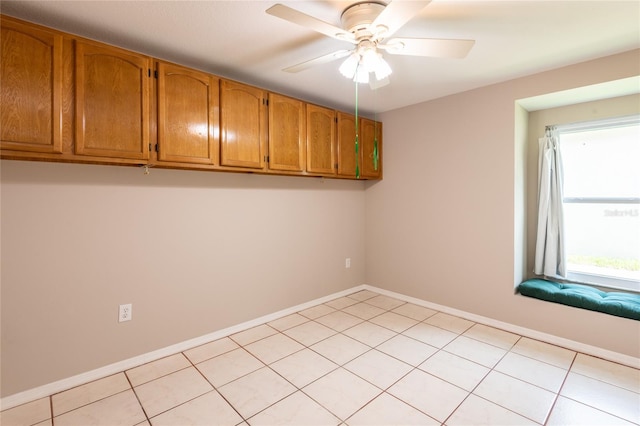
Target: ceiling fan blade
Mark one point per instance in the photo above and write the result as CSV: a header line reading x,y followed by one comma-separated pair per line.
x,y
296,17
432,47
396,14
317,61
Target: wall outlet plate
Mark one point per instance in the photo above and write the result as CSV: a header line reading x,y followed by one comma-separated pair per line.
x,y
124,313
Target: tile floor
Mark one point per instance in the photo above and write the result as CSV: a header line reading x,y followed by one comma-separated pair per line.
x,y
364,359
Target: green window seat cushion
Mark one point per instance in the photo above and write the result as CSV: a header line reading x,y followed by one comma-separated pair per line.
x,y
621,304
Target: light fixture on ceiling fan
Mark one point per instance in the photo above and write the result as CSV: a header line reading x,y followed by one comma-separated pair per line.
x,y
367,24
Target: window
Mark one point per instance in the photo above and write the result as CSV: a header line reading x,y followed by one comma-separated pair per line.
x,y
601,164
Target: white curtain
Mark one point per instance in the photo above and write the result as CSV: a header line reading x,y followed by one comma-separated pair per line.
x,y
550,242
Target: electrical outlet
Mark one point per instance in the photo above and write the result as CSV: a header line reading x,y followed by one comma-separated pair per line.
x,y
124,313
347,263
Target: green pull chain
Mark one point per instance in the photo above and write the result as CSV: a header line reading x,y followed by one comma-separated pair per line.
x,y
375,149
357,148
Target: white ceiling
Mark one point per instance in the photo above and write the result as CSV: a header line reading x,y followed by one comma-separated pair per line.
x,y
238,40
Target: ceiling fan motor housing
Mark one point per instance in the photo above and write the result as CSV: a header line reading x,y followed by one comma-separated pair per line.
x,y
358,17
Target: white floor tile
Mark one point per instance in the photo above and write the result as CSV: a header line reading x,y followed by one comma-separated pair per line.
x,y
370,334
317,311
607,371
430,335
449,322
545,352
256,391
209,409
493,336
170,391
273,348
119,409
523,398
295,410
340,348
476,351
363,310
341,392
419,313
378,368
288,322
407,349
339,321
429,394
385,302
309,333
388,410
480,412
153,370
229,366
394,322
86,394
303,367
567,412
211,350
603,396
532,371
363,295
253,334
454,369
27,414
341,302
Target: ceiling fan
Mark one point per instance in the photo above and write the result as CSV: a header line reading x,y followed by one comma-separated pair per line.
x,y
369,25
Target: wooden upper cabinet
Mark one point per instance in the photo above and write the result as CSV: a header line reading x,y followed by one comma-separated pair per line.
x,y
346,145
371,148
321,137
112,102
188,111
243,125
31,85
286,133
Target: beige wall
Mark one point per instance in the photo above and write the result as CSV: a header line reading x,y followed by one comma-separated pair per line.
x,y
195,252
441,226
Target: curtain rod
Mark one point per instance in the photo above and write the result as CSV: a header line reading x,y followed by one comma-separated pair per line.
x,y
595,124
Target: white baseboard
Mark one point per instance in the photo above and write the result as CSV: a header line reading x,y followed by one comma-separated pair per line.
x,y
522,331
108,370
127,364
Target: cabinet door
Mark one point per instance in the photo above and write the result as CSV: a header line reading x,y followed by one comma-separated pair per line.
x,y
286,133
346,145
371,147
243,125
31,86
321,131
187,115
112,102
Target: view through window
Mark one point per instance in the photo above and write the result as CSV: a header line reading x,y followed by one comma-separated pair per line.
x,y
601,162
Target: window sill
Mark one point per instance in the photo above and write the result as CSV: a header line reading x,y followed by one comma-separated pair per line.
x,y
594,276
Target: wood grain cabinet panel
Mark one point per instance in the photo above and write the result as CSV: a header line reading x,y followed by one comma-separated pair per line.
x,y
243,125
321,137
112,102
346,145
187,115
286,133
31,87
371,148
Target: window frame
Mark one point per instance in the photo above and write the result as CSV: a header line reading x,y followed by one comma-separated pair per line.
x,y
595,279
